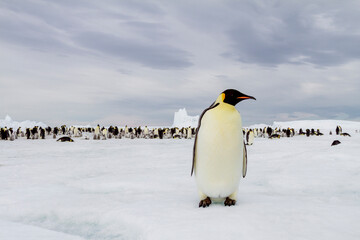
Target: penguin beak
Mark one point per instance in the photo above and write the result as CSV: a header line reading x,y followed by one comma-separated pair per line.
x,y
246,97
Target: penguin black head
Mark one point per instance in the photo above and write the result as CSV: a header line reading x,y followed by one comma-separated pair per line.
x,y
233,97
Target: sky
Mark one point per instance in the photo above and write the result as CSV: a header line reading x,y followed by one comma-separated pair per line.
x,y
129,62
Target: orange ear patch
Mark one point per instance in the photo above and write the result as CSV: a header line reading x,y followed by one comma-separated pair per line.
x,y
223,96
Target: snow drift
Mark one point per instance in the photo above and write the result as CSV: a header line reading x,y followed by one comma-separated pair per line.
x,y
296,188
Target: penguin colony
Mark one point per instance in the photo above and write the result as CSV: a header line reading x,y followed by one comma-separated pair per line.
x,y
97,133
103,133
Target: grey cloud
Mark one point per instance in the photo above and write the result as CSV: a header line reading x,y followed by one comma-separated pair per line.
x,y
152,31
53,27
112,47
25,33
154,55
271,36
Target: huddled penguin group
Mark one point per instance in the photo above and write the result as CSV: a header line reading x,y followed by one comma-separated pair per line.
x,y
104,133
274,133
98,133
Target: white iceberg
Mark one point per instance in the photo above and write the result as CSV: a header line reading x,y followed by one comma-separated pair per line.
x,y
182,119
9,123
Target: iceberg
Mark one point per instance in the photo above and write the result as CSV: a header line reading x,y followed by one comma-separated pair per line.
x,y
182,119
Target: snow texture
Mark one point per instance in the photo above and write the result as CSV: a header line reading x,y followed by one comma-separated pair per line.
x,y
295,188
182,119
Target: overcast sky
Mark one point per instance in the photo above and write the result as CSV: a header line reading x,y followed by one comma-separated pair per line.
x,y
137,62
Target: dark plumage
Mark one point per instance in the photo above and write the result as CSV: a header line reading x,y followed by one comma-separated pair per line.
x,y
336,142
65,139
345,134
274,136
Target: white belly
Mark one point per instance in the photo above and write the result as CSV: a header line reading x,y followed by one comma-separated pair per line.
x,y
219,153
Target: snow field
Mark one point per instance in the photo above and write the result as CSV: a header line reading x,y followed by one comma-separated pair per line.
x,y
295,188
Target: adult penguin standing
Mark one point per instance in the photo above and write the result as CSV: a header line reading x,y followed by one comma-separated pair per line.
x,y
219,154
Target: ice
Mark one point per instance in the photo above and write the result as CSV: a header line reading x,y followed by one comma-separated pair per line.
x,y
9,123
11,230
182,119
295,188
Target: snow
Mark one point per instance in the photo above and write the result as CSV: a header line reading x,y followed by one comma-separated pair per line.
x,y
295,188
182,119
9,123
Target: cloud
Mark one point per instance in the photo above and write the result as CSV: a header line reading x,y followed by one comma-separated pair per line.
x,y
273,34
88,61
160,56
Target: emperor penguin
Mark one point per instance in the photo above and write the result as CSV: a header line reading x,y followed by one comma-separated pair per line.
x,y
188,134
97,132
146,132
250,137
219,153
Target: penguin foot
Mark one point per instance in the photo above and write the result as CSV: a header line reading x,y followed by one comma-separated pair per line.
x,y
229,202
205,202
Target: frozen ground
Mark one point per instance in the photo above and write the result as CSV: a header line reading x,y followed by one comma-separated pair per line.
x,y
297,188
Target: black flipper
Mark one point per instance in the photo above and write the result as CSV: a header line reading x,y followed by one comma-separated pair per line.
x,y
244,161
197,131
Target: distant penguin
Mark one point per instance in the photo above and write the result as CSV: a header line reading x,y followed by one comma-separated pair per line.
x,y
183,133
34,133
126,132
250,137
97,132
48,130
12,136
56,131
288,132
4,134
345,134
176,134
318,133
18,132
219,154
65,139
104,133
301,132
312,132
275,135
255,132
161,133
336,142
269,131
338,130
188,133
42,133
63,129
146,132
156,133
28,133
116,132
76,132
